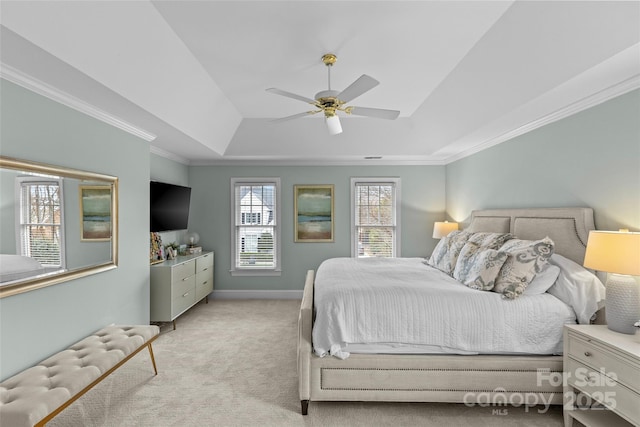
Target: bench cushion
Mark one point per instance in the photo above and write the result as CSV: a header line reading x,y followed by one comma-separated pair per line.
x,y
34,393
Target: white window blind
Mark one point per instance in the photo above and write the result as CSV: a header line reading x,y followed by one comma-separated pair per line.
x,y
255,224
40,220
374,219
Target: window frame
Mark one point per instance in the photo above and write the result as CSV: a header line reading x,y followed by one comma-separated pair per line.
x,y
20,183
276,270
395,183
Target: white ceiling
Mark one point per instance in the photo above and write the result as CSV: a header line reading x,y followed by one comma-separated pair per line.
x,y
465,75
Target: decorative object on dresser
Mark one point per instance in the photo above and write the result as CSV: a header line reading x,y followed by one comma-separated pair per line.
x,y
192,240
441,229
178,284
156,251
618,253
601,377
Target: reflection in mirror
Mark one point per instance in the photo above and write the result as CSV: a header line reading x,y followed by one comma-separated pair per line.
x,y
56,224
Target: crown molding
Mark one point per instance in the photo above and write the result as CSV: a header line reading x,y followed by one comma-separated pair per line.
x,y
257,161
585,103
41,88
167,155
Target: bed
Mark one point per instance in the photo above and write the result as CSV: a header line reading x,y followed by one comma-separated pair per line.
x,y
17,267
470,377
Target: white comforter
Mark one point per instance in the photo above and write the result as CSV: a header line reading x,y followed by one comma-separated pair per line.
x,y
403,303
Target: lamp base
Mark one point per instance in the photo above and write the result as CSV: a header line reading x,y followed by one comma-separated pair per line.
x,y
622,303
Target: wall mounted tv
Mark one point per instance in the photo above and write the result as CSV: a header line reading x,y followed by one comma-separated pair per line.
x,y
169,206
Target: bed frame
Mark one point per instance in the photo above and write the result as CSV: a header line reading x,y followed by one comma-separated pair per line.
x,y
476,379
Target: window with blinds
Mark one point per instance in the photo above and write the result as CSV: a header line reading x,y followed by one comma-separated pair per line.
x,y
256,229
40,220
375,222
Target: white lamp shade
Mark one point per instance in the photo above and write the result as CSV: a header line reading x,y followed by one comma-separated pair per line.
x,y
333,124
613,252
441,229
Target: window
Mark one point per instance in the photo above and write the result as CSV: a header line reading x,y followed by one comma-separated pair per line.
x,y
40,220
375,224
255,204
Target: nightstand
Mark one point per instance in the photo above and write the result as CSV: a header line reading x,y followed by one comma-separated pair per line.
x,y
601,376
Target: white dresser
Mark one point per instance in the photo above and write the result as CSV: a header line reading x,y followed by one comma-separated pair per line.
x,y
601,376
178,284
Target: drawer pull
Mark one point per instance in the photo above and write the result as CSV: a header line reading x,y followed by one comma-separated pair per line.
x,y
205,269
587,353
184,295
185,279
205,282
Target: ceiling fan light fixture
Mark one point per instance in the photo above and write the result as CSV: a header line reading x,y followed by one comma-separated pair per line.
x,y
333,124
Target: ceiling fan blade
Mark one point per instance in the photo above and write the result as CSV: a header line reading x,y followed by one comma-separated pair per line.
x,y
291,95
357,88
295,116
375,112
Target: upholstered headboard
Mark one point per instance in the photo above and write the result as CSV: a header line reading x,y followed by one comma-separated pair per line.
x,y
567,227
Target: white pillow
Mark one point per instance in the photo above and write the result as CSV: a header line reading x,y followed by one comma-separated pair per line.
x,y
543,280
578,288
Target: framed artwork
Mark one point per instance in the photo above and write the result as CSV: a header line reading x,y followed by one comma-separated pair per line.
x,y
313,213
95,213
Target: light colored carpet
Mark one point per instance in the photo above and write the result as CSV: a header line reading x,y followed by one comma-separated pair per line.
x,y
233,363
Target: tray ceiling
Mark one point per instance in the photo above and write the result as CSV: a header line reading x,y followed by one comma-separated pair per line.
x,y
193,74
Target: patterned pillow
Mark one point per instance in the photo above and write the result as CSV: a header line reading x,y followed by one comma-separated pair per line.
x,y
525,259
477,267
446,252
490,240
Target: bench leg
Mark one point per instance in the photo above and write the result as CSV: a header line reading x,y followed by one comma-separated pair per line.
x,y
153,360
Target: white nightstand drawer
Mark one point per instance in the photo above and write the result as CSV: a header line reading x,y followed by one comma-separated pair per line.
x,y
603,389
592,354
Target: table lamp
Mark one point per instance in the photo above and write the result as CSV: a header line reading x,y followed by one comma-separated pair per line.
x,y
617,253
441,229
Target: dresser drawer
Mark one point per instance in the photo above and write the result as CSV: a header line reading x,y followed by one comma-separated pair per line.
x,y
183,271
604,390
185,285
203,287
184,300
594,355
204,263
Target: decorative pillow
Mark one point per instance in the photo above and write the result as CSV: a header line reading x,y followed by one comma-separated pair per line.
x,y
490,240
525,259
477,267
543,280
446,252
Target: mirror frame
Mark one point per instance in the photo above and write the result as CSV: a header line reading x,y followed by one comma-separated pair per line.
x,y
31,284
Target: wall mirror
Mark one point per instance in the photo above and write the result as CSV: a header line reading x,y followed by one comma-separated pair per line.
x,y
56,224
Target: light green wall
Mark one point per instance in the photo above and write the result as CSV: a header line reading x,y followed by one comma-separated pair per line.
x,y
170,171
589,159
35,324
422,195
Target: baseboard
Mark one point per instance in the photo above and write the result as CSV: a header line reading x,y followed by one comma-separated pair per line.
x,y
249,294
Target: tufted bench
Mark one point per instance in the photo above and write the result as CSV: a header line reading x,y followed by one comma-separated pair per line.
x,y
37,394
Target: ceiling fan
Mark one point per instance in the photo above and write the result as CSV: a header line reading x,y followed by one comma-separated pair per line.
x,y
331,101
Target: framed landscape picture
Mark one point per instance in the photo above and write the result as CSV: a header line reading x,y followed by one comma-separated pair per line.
x,y
95,212
313,213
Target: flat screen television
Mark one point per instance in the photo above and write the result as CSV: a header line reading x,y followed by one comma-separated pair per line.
x,y
169,206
